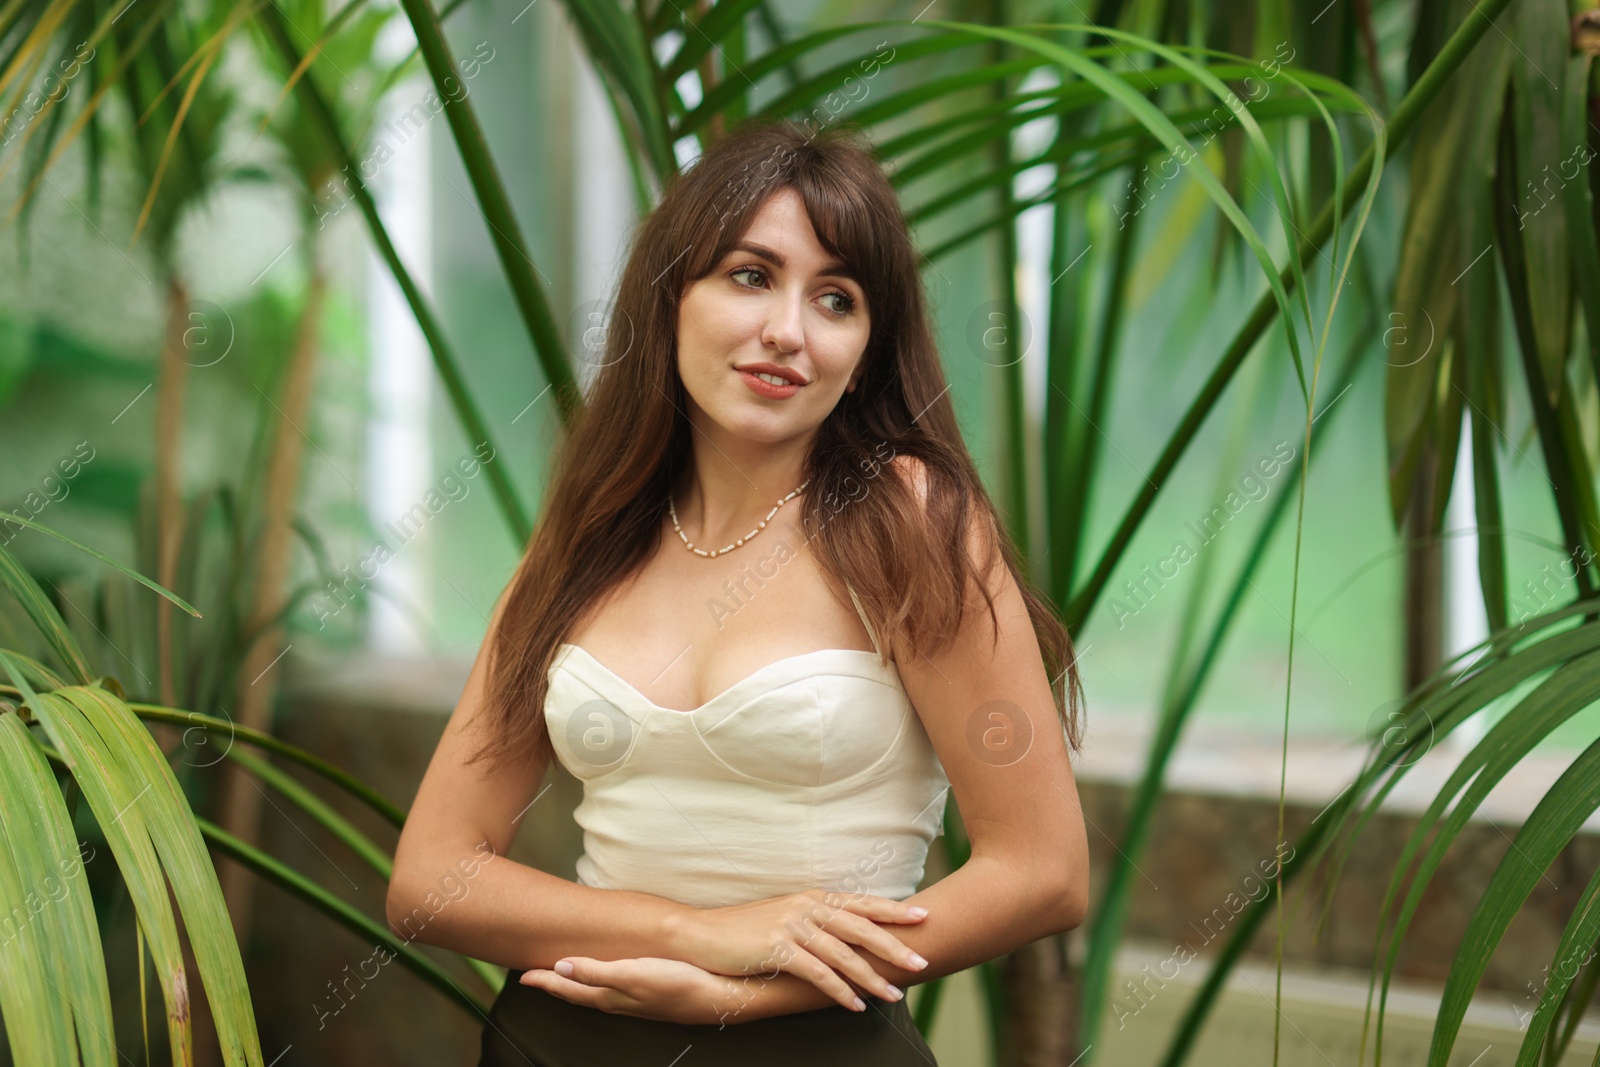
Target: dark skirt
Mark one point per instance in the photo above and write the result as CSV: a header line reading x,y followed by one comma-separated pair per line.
x,y
529,1027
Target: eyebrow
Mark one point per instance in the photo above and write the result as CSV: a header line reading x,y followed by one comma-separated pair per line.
x,y
830,269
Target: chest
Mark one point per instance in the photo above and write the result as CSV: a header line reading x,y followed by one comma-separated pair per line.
x,y
817,719
683,628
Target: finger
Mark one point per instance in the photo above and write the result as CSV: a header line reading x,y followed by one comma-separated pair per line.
x,y
844,959
591,971
883,909
804,965
858,930
566,988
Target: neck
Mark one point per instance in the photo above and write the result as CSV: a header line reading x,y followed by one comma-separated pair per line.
x,y
725,493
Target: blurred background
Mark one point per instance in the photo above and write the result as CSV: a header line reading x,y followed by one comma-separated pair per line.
x,y
1271,326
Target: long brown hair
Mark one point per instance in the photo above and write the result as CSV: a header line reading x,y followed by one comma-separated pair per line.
x,y
630,444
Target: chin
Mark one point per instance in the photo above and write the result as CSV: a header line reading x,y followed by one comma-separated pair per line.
x,y
763,431
758,427
751,419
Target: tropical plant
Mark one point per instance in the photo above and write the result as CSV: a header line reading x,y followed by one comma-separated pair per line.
x,y
946,118
54,971
230,544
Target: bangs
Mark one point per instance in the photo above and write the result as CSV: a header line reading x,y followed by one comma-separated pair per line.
x,y
842,220
844,226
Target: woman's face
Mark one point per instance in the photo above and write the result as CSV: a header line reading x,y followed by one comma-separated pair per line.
x,y
776,303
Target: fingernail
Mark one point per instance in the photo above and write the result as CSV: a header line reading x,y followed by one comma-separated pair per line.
x,y
894,992
917,911
859,1005
564,968
918,962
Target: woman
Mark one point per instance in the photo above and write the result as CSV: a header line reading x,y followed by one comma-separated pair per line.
x,y
769,618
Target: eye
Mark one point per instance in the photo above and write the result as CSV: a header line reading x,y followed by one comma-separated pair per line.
x,y
846,305
846,302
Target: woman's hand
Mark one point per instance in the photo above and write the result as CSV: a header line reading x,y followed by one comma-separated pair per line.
x,y
809,934
648,987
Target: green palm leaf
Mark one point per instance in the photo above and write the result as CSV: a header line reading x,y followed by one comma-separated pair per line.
x,y
347,915
346,832
504,230
1581,933
17,577
1549,829
189,870
1557,699
108,785
466,409
232,732
60,941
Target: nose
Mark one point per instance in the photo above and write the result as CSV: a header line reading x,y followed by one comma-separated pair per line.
x,y
784,330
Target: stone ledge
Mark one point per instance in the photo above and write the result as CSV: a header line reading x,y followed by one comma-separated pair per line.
x,y
1238,762
1322,1015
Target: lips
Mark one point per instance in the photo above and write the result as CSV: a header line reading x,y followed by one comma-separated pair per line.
x,y
788,374
763,388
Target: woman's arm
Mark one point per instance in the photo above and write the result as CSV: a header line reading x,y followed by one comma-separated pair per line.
x,y
983,910
515,916
453,886
990,912
980,911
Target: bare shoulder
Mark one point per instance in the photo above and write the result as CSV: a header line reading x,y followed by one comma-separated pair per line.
x,y
986,703
915,474
981,535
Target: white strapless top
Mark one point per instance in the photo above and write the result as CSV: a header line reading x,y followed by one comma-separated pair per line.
x,y
813,772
